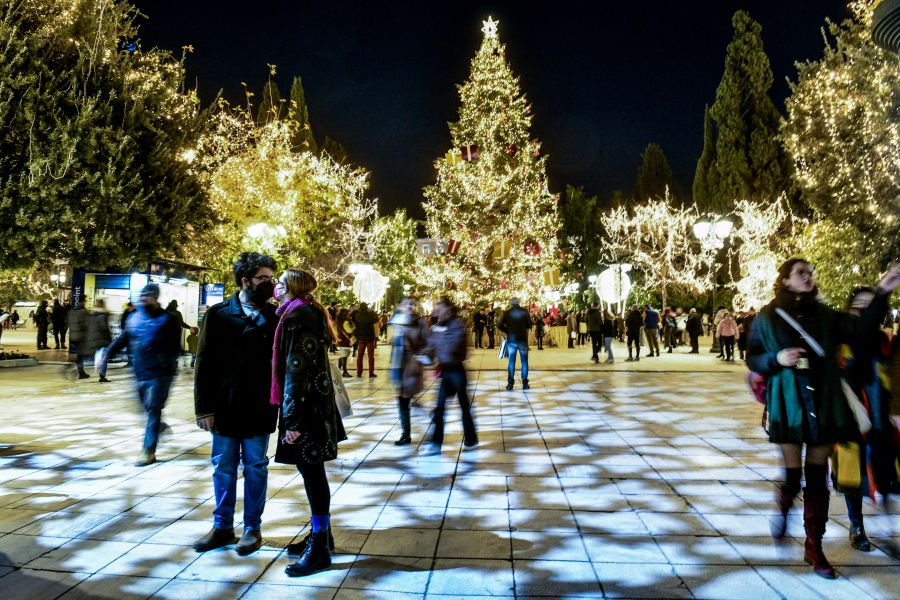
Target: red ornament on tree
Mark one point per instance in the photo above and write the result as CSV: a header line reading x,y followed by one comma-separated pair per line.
x,y
469,152
531,248
504,284
511,149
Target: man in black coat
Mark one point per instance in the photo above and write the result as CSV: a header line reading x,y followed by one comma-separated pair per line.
x,y
59,318
232,386
365,320
595,328
42,321
694,328
634,323
516,323
479,320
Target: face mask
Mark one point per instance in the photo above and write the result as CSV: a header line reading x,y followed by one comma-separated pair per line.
x,y
261,293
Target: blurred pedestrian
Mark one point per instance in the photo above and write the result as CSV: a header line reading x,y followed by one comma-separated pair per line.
x,y
364,321
42,322
727,332
406,370
634,322
59,320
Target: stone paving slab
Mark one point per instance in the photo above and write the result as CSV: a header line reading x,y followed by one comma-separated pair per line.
x,y
631,480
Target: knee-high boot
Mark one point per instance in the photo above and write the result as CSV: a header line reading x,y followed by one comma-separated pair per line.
x,y
784,500
403,406
815,516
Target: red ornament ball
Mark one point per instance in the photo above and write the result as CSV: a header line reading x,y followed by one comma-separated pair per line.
x,y
531,248
512,149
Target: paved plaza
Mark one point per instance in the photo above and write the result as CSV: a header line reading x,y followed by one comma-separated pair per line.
x,y
636,480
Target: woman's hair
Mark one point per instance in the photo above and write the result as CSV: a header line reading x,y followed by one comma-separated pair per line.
x,y
301,284
784,272
342,314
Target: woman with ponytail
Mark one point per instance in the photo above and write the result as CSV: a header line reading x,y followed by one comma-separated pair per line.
x,y
310,427
795,343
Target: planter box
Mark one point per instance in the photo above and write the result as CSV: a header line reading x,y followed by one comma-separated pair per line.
x,y
18,362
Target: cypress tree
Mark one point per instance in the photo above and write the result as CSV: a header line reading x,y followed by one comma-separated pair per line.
x,y
654,175
334,149
270,104
750,161
705,174
298,114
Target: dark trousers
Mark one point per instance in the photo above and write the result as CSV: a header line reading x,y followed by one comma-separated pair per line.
x,y
453,381
540,341
42,336
596,344
652,335
153,394
727,342
479,332
363,345
317,491
490,333
59,336
634,338
695,342
571,339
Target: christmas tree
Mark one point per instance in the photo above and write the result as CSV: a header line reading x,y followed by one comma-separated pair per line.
x,y
491,197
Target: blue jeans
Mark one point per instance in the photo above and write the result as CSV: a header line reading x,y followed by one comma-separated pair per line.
x,y
227,452
153,394
522,348
607,343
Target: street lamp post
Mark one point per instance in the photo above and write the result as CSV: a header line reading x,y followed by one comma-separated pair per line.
x,y
712,235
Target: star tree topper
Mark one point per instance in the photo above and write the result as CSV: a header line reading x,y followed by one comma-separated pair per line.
x,y
490,27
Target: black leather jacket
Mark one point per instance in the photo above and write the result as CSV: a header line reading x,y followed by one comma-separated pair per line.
x,y
515,323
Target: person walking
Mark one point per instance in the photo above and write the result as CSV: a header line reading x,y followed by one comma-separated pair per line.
x,y
651,329
744,326
634,322
516,324
42,322
595,330
364,321
582,327
406,370
310,428
571,328
490,325
232,391
447,343
539,329
59,320
14,319
670,330
609,333
153,336
172,308
98,337
794,344
79,321
344,328
479,320
694,328
727,331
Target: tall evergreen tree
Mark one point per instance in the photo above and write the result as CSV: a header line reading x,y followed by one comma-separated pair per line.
x,y
334,149
705,176
298,114
843,133
578,236
271,104
491,195
97,139
750,161
654,175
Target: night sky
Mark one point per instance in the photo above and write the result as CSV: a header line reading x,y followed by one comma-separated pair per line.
x,y
380,77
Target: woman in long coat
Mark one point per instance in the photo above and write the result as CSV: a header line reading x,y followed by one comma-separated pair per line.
x,y
804,397
310,427
406,370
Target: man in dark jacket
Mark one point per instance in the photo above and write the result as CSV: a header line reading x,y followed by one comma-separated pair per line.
x,y
651,329
153,337
365,320
232,385
634,322
447,342
516,323
42,322
694,329
479,320
60,324
595,328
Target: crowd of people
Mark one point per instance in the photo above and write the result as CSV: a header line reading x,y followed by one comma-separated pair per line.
x,y
263,365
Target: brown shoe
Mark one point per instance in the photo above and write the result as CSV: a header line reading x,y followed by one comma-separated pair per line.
x,y
216,538
250,542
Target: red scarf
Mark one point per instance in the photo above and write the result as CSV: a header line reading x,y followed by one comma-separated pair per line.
x,y
277,389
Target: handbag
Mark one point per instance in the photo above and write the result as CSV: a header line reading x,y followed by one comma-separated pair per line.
x,y
845,461
341,398
573,334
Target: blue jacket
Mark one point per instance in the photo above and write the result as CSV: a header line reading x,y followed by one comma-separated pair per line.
x,y
651,319
154,338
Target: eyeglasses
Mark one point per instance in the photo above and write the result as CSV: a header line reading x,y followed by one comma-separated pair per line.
x,y
262,278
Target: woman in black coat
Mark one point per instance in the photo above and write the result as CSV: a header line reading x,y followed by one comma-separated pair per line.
x,y
310,426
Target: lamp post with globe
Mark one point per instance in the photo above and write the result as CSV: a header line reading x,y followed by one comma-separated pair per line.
x,y
712,234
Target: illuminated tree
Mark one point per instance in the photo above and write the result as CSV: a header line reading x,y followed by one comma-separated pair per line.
x,y
656,238
843,132
393,245
93,139
306,211
496,205
750,162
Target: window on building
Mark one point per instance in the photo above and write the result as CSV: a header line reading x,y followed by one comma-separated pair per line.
x,y
425,248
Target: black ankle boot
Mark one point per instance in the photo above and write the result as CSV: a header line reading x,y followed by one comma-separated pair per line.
x,y
858,538
316,557
298,548
403,407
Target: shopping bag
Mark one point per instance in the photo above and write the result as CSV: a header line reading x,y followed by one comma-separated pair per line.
x,y
846,464
503,352
341,398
